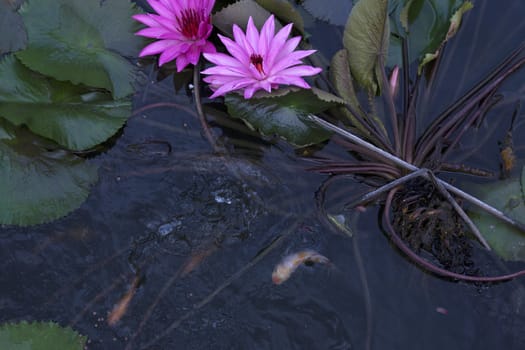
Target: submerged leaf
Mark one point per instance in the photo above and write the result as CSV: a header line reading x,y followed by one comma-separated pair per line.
x,y
366,39
283,116
410,12
14,35
332,11
39,336
508,196
73,116
38,181
342,79
83,42
455,22
284,11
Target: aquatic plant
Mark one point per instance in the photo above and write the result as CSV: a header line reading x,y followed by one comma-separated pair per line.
x,y
393,148
65,91
402,162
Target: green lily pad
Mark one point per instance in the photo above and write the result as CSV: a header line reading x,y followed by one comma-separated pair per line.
x,y
343,84
238,13
366,39
39,336
455,22
283,116
427,24
285,12
83,42
14,35
331,11
508,196
71,115
39,182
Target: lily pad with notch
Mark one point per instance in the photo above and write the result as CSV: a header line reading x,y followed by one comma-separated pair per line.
x,y
285,115
39,181
508,196
75,117
85,42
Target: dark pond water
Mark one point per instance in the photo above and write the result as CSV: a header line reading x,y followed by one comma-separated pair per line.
x,y
205,231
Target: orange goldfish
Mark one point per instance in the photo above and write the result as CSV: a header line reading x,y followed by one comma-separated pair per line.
x,y
291,262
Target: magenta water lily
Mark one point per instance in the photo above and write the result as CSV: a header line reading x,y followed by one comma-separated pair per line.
x,y
182,28
258,61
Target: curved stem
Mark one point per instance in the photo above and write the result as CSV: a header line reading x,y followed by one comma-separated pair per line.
x,y
198,104
389,96
446,120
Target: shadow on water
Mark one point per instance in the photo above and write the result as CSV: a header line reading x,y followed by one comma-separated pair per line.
x,y
192,241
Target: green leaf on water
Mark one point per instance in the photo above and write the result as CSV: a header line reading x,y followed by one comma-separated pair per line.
x,y
342,79
455,22
238,13
284,115
426,25
285,12
39,336
83,42
39,182
508,196
332,11
366,39
71,115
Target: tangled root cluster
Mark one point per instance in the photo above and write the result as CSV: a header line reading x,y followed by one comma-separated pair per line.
x,y
429,224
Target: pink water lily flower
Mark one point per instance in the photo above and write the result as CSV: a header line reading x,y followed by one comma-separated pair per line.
x,y
182,28
258,61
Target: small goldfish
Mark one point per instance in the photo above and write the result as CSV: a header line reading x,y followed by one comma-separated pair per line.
x,y
291,262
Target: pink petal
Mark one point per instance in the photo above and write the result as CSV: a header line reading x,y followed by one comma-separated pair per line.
x,y
169,55
241,40
208,47
266,85
182,62
221,59
292,59
193,54
252,34
290,80
225,71
267,33
231,86
235,49
301,71
204,30
161,9
160,33
151,32
146,19
249,91
156,47
290,45
277,43
173,6
208,5
155,21
168,23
